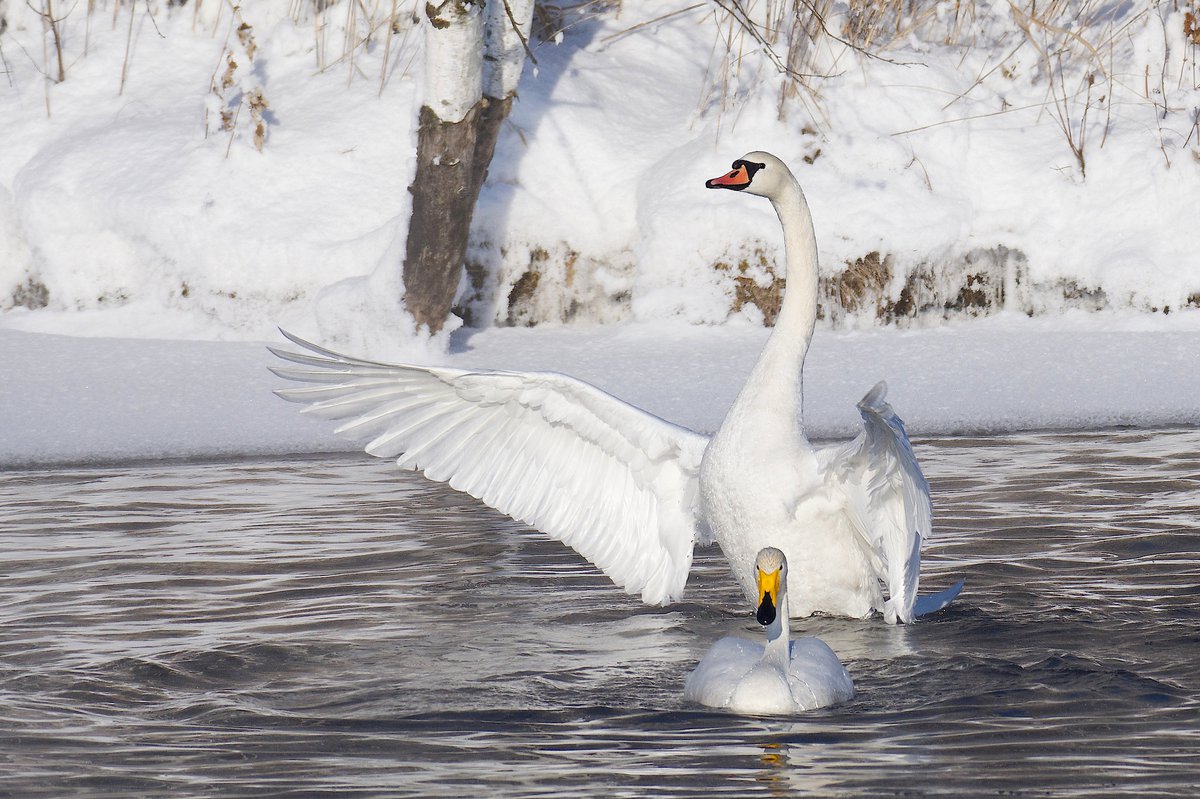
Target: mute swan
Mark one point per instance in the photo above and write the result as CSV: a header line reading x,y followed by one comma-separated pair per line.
x,y
633,493
780,677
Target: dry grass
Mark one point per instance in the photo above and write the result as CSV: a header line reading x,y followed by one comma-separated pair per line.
x,y
1077,44
792,33
385,27
862,286
755,282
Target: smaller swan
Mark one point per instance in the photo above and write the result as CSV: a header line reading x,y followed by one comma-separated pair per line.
x,y
778,678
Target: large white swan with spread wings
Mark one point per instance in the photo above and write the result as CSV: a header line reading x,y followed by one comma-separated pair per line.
x,y
633,493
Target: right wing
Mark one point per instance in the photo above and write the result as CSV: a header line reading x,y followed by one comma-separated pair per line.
x,y
617,484
888,499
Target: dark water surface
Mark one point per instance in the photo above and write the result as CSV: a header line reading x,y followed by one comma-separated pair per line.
x,y
331,626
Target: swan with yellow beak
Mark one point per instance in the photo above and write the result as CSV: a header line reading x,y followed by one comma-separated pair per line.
x,y
781,677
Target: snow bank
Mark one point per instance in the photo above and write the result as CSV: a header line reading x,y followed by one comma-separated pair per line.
x,y
66,399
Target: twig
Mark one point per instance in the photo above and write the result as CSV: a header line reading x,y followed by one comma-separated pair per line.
x,y
212,81
1162,90
984,76
1062,110
128,45
924,171
233,128
955,121
1108,100
62,72
319,44
343,57
4,62
47,15
734,9
154,21
1061,32
820,18
517,29
349,45
622,34
371,28
387,49
1194,130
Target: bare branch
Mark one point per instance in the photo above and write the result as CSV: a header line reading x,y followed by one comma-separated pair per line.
x,y
517,30
669,15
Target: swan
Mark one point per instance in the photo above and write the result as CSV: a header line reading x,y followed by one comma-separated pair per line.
x,y
781,677
633,493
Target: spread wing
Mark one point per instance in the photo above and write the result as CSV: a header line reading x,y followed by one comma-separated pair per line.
x,y
617,484
887,498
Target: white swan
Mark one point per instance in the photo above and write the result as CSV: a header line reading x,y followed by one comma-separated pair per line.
x,y
781,677
633,493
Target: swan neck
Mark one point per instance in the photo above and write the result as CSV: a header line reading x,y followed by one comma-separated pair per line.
x,y
769,406
778,376
779,634
798,311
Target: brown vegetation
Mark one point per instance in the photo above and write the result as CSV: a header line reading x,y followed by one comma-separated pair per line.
x,y
33,294
756,284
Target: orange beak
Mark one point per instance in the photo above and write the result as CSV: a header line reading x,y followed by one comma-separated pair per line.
x,y
737,180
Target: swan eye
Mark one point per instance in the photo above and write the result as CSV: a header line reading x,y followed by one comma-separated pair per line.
x,y
751,167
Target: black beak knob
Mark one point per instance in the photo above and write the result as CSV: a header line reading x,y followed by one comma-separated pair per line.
x,y
766,611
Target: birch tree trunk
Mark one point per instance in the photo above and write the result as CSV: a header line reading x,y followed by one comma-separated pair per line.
x,y
474,54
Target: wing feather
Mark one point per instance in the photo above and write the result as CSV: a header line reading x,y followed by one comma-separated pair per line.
x,y
617,484
887,498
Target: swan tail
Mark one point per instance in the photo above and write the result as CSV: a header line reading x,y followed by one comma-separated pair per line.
x,y
875,399
925,605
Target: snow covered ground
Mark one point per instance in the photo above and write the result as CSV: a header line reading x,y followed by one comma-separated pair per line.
x,y
70,399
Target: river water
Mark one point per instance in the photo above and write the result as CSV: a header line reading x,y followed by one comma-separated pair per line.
x,y
300,627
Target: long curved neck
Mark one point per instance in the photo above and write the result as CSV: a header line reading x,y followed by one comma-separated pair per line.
x,y
774,387
779,634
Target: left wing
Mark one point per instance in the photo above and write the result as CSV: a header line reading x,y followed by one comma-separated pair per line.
x,y
888,499
617,484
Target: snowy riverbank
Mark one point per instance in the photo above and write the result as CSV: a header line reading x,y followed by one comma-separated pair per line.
x,y
66,399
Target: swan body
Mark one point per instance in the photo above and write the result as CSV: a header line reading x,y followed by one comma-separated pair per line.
x,y
780,677
634,493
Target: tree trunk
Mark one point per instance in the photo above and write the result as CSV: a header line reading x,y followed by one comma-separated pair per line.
x,y
459,127
452,162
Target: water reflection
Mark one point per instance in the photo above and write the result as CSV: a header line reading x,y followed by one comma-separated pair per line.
x,y
331,625
777,772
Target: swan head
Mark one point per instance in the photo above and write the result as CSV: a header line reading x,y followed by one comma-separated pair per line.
x,y
755,173
770,573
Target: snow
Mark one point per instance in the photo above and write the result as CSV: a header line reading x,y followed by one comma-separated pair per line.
x,y
68,399
147,253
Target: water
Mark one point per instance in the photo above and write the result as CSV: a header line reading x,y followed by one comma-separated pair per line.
x,y
310,626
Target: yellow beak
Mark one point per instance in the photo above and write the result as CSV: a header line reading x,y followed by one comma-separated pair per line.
x,y
768,596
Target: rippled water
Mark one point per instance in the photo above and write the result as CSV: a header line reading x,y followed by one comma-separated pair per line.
x,y
307,626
